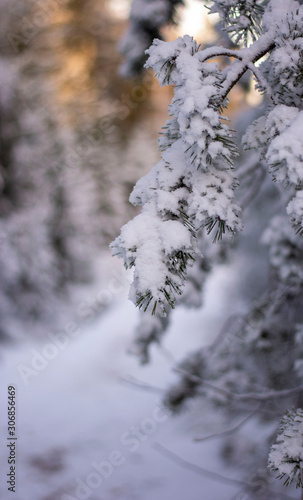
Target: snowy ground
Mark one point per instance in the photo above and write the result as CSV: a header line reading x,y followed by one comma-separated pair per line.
x,y
76,417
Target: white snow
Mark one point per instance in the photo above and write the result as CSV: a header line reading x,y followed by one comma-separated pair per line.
x,y
76,411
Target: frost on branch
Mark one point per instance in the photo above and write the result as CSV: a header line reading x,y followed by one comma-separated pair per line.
x,y
279,138
266,128
286,456
278,134
283,69
191,187
240,18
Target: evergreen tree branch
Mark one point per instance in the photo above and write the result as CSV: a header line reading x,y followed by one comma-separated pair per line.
x,y
262,82
249,56
214,52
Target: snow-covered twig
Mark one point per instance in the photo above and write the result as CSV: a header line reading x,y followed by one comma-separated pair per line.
x,y
263,82
248,57
214,52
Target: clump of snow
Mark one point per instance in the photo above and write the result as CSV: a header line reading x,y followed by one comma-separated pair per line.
x,y
278,138
283,67
287,150
286,457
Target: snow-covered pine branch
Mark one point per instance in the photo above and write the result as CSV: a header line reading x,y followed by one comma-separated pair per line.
x,y
278,133
278,137
241,19
193,184
286,456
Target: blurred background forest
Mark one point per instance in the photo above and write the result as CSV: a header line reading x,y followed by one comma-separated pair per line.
x,y
74,140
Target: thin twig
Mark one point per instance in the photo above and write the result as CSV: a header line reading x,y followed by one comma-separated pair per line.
x,y
248,56
196,468
173,457
249,168
230,321
262,81
263,396
229,431
141,385
212,52
254,189
168,354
